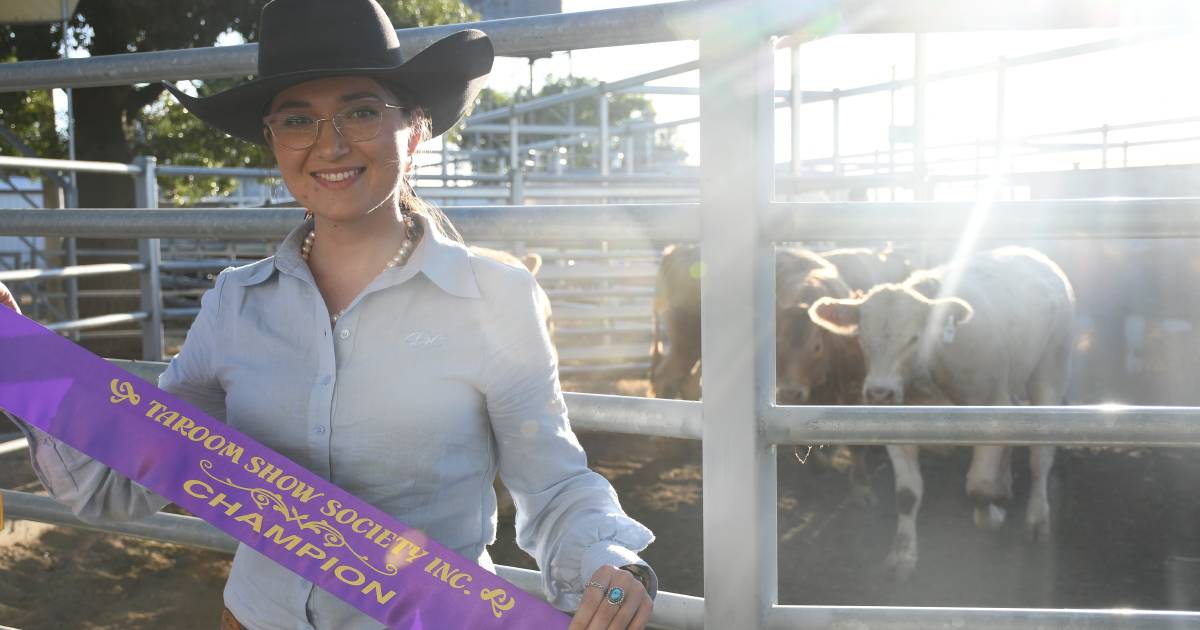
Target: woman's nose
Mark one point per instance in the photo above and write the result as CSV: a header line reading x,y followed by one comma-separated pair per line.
x,y
329,139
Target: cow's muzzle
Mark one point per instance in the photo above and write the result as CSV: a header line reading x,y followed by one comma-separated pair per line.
x,y
882,395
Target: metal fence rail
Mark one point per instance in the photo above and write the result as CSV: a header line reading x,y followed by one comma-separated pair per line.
x,y
636,223
671,610
919,618
740,424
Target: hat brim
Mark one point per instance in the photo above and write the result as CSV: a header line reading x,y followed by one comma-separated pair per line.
x,y
444,78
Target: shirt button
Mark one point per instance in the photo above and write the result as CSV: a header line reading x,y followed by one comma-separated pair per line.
x,y
345,334
327,379
320,429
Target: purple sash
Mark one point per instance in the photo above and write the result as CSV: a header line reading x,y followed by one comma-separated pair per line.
x,y
392,572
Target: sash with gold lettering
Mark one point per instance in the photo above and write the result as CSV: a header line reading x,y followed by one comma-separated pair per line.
x,y
390,571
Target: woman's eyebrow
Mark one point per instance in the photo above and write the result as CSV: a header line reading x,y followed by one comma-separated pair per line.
x,y
292,104
357,96
345,98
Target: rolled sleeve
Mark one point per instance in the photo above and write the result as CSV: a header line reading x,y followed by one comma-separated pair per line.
x,y
93,491
568,517
605,553
192,374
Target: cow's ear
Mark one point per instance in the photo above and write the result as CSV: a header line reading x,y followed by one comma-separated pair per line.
x,y
837,316
532,262
957,309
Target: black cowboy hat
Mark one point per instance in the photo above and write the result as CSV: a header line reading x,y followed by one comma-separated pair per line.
x,y
302,40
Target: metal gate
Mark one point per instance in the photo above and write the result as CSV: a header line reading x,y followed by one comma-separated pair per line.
x,y
738,223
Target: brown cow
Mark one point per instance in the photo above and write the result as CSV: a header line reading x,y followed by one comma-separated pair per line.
x,y
995,330
806,364
675,353
813,366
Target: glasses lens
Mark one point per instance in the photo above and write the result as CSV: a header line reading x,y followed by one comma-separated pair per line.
x,y
295,131
359,123
356,123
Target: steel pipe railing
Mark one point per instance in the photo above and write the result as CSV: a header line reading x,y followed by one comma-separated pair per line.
x,y
78,166
563,223
99,321
77,271
12,446
543,102
640,416
200,265
785,221
1086,425
180,313
520,37
929,618
590,412
539,35
1007,220
671,610
172,528
217,171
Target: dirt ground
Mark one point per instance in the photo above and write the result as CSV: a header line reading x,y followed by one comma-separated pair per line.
x,y
1119,516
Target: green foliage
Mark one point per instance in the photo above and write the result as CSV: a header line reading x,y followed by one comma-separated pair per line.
x,y
623,108
407,13
169,132
30,116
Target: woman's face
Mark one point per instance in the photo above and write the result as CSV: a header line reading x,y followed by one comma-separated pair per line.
x,y
334,178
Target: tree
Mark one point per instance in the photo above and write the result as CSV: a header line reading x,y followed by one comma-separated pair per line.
x,y
113,123
623,108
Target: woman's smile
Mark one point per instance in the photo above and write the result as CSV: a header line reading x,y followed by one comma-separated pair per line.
x,y
339,178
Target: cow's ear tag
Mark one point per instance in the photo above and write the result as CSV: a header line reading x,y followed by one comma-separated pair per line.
x,y
948,330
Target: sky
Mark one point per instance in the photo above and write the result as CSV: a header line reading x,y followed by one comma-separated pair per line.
x,y
1142,82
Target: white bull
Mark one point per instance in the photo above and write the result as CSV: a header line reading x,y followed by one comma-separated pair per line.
x,y
999,334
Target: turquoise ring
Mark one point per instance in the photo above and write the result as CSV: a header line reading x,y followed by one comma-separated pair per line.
x,y
616,595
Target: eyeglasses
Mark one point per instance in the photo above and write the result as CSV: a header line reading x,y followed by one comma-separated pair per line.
x,y
357,123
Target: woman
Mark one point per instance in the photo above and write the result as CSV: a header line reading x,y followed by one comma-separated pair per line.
x,y
373,348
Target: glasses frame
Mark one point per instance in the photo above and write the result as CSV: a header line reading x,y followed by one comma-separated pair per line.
x,y
332,122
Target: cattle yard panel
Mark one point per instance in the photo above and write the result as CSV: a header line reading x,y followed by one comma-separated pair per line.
x,y
739,420
740,537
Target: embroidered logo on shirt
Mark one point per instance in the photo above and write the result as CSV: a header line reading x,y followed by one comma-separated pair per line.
x,y
424,339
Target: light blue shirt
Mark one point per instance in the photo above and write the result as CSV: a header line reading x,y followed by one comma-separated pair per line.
x,y
438,376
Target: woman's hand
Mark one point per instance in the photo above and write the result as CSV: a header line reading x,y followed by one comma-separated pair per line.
x,y
8,299
597,611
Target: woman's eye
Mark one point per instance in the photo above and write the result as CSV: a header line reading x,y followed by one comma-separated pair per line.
x,y
361,113
297,120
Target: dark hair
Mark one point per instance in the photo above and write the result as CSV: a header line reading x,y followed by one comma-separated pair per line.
x,y
420,124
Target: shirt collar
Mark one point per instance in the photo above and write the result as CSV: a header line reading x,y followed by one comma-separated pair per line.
x,y
444,261
287,255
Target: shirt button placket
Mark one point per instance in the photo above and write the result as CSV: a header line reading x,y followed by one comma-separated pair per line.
x,y
322,408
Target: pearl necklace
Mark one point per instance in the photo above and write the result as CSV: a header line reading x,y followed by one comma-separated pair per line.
x,y
411,234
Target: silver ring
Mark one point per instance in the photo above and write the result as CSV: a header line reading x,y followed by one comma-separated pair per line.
x,y
615,596
603,588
